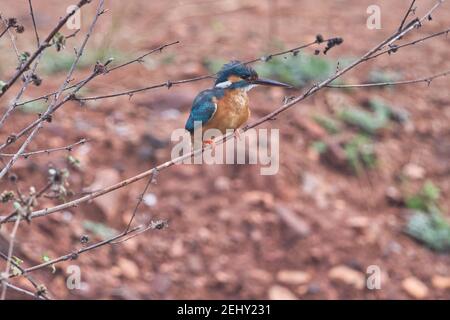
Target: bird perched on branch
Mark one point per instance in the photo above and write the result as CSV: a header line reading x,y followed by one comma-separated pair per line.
x,y
226,105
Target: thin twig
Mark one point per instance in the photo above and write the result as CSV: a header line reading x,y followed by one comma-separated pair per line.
x,y
410,10
42,47
27,81
11,38
141,57
4,31
428,80
24,291
170,83
73,255
41,291
141,197
54,106
34,23
12,239
407,44
167,84
47,151
137,59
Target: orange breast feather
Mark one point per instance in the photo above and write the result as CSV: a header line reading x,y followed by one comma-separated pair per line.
x,y
232,111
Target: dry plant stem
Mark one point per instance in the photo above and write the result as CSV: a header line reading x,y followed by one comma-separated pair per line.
x,y
33,282
45,44
141,198
315,88
165,84
24,291
410,10
124,236
141,57
14,104
76,253
138,59
34,23
428,80
411,43
53,106
170,83
138,203
10,254
47,151
4,31
84,81
41,291
13,41
42,118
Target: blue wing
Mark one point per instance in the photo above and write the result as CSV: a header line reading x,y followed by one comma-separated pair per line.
x,y
203,109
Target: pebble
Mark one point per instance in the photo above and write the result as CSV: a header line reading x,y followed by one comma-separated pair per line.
x,y
260,275
441,282
128,268
415,288
281,293
294,221
414,171
348,276
294,277
394,196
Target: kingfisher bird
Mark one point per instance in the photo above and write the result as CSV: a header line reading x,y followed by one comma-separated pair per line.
x,y
226,105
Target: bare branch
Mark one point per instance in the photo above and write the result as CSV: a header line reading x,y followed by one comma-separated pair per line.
x,y
167,84
153,225
13,105
428,80
41,48
41,291
141,197
24,291
47,151
34,23
138,59
394,49
8,26
170,83
411,9
12,239
54,106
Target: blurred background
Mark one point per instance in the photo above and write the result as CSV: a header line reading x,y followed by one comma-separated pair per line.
x,y
363,178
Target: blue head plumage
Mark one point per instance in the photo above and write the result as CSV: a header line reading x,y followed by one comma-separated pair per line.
x,y
235,68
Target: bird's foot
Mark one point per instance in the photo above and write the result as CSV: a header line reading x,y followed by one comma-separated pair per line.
x,y
210,142
237,134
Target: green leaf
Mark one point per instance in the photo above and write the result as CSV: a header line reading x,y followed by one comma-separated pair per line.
x,y
426,199
331,125
430,191
360,153
431,229
416,202
319,146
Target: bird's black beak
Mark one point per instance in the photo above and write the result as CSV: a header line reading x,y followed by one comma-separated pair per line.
x,y
268,82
